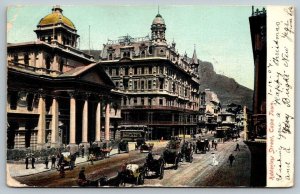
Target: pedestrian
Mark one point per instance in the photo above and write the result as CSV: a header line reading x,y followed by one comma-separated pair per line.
x,y
72,161
32,161
212,143
216,145
82,152
82,181
231,159
237,147
53,160
214,161
46,162
26,161
62,170
92,158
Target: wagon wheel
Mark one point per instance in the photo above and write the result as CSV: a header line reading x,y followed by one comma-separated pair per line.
x,y
161,173
140,179
176,163
147,172
121,181
191,158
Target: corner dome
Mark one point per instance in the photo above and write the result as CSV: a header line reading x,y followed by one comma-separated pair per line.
x,y
56,17
158,19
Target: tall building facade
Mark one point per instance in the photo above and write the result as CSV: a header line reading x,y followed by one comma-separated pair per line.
x,y
56,94
161,86
257,129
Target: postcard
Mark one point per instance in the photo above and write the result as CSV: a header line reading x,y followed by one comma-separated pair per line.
x,y
150,96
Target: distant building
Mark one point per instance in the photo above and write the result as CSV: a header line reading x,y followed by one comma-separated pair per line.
x,y
202,110
212,109
161,86
56,94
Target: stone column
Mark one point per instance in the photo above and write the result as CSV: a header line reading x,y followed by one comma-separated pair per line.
x,y
84,140
98,123
72,143
107,119
54,124
42,122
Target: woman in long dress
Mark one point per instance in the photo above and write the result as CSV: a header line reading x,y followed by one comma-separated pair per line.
x,y
214,161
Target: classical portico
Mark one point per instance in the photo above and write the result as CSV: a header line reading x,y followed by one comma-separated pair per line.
x,y
64,116
57,95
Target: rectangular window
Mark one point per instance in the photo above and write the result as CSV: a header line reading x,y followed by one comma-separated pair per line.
x,y
142,84
135,85
135,101
135,70
142,101
142,70
125,83
149,84
126,70
117,71
161,70
149,101
161,102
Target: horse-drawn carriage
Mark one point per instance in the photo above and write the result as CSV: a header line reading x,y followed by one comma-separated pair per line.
x,y
66,159
143,146
98,153
202,146
123,146
172,154
132,173
187,150
154,163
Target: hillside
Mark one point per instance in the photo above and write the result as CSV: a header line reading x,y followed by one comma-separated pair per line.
x,y
227,89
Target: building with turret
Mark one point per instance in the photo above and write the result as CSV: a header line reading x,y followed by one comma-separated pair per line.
x,y
56,94
161,86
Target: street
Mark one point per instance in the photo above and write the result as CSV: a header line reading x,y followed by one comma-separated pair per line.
x,y
199,173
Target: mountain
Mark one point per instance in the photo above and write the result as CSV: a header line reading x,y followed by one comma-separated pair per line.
x,y
227,89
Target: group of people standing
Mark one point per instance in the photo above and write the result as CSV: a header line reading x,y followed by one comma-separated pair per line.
x,y
55,160
32,161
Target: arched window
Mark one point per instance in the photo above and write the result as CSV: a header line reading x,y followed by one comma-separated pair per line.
x,y
48,62
110,56
150,50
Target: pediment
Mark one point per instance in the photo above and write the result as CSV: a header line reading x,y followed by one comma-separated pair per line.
x,y
96,75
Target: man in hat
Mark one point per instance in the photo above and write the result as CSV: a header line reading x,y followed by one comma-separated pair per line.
x,y
26,161
230,159
82,181
32,161
53,160
46,162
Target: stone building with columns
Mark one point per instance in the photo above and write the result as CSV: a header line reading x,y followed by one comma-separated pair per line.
x,y
56,94
161,86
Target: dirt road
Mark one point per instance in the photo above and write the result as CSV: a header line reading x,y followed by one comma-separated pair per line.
x,y
199,173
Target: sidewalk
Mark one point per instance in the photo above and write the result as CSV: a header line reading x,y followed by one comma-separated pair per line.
x,y
19,169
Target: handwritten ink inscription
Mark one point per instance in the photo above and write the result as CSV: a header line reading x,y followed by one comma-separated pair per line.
x,y
280,96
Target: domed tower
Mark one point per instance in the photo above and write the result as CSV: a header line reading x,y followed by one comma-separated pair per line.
x,y
158,29
56,27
